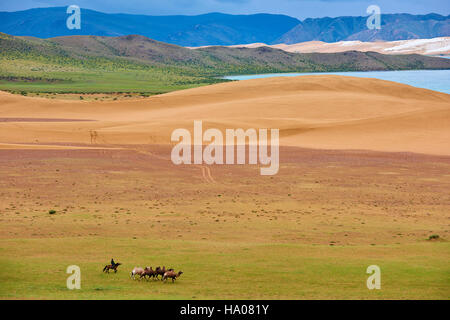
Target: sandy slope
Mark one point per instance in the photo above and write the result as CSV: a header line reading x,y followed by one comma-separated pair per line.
x,y
435,46
316,111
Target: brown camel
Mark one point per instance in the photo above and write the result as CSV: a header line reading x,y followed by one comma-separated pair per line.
x,y
172,274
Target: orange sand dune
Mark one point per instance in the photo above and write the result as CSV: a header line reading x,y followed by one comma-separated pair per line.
x,y
332,112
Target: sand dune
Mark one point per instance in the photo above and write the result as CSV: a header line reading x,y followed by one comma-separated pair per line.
x,y
332,112
435,46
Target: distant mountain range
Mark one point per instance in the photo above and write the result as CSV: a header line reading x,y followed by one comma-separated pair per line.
x,y
393,27
207,29
223,29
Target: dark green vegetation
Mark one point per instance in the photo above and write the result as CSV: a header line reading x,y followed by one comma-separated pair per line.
x,y
136,64
223,29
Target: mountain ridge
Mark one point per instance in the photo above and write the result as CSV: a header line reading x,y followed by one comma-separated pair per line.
x,y
211,28
223,29
401,26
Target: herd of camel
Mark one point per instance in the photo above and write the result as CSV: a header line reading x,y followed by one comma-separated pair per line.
x,y
146,272
150,273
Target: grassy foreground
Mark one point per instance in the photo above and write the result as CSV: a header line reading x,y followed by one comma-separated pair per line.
x,y
215,270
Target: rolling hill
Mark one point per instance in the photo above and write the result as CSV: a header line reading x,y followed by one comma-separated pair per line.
x,y
138,64
348,113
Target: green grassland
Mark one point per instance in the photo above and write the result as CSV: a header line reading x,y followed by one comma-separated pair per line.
x,y
31,268
26,74
48,79
38,66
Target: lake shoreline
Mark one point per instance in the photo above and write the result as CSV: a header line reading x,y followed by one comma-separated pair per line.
x,y
436,80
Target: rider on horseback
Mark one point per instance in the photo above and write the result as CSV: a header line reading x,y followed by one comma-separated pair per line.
x,y
112,266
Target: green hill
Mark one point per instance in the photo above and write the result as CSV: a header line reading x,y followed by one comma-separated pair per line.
x,y
83,64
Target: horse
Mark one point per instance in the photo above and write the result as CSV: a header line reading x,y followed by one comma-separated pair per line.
x,y
111,267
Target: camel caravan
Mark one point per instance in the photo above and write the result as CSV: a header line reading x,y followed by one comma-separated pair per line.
x,y
146,272
154,274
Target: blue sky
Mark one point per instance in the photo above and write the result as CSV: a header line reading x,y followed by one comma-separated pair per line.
x,y
296,8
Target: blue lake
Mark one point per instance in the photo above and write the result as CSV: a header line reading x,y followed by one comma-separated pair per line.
x,y
438,80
